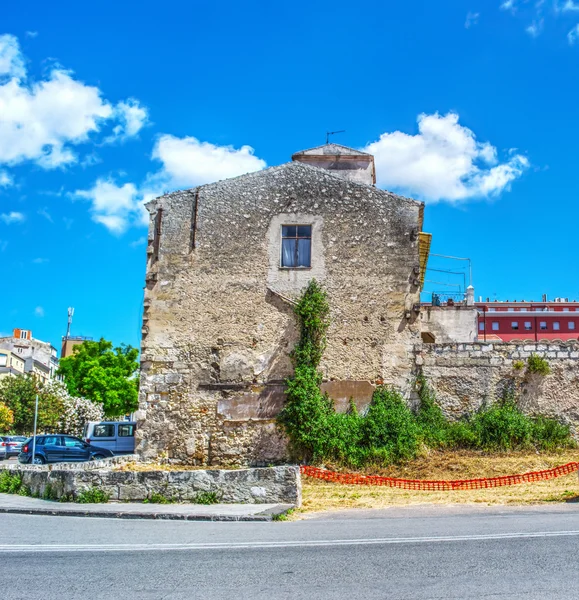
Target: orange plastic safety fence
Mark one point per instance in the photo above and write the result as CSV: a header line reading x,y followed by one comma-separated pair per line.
x,y
432,486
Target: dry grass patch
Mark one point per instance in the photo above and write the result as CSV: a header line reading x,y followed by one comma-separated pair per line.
x,y
321,495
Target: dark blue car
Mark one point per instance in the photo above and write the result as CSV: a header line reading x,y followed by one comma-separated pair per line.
x,y
60,448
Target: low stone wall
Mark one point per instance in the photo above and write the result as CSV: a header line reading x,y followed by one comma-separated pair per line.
x,y
269,485
464,376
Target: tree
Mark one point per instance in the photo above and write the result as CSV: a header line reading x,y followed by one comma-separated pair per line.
x,y
103,374
6,418
19,395
76,412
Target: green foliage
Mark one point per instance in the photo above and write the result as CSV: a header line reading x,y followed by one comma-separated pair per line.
x,y
307,410
518,365
6,418
502,426
549,434
24,491
435,429
49,493
103,374
92,496
283,516
206,498
389,427
537,364
10,484
390,432
157,498
19,395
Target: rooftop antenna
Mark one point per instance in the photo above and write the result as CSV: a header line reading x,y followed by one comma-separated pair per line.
x,y
70,313
329,133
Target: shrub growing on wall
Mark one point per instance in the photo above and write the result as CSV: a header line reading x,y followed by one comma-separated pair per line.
x,y
307,410
537,364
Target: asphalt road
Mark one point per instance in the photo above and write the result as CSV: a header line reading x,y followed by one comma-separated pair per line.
x,y
417,553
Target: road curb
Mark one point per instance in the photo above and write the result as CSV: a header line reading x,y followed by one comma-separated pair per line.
x,y
267,515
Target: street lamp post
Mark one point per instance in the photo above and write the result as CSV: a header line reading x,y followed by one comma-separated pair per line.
x,y
34,438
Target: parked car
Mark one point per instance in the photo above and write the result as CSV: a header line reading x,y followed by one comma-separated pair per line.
x,y
60,448
3,454
117,436
12,443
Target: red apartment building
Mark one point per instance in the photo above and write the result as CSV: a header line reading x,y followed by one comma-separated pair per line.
x,y
547,320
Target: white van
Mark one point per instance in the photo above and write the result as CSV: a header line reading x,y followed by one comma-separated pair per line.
x,y
117,436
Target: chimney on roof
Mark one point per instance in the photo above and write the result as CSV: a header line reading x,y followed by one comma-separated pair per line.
x,y
544,298
342,161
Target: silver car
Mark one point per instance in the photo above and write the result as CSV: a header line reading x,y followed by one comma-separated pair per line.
x,y
12,444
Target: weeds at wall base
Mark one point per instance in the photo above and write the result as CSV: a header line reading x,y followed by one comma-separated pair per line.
x,y
390,432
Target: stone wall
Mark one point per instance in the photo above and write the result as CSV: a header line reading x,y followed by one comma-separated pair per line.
x,y
464,376
218,323
245,486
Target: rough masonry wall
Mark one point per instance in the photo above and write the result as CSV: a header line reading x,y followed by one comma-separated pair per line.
x,y
464,376
239,486
218,329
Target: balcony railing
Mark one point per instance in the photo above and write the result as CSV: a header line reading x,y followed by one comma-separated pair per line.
x,y
448,299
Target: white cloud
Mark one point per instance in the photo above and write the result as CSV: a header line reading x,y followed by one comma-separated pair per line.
x,y
11,61
44,213
112,205
132,116
31,34
573,35
535,28
539,12
40,261
43,120
568,6
139,242
90,160
5,179
39,311
188,161
471,19
12,217
443,161
509,5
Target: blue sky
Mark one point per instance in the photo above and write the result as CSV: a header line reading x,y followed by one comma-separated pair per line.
x,y
470,105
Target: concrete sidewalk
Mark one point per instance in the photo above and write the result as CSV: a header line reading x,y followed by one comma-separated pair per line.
x,y
10,503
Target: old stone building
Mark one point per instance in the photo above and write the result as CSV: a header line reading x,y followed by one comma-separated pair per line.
x,y
225,263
